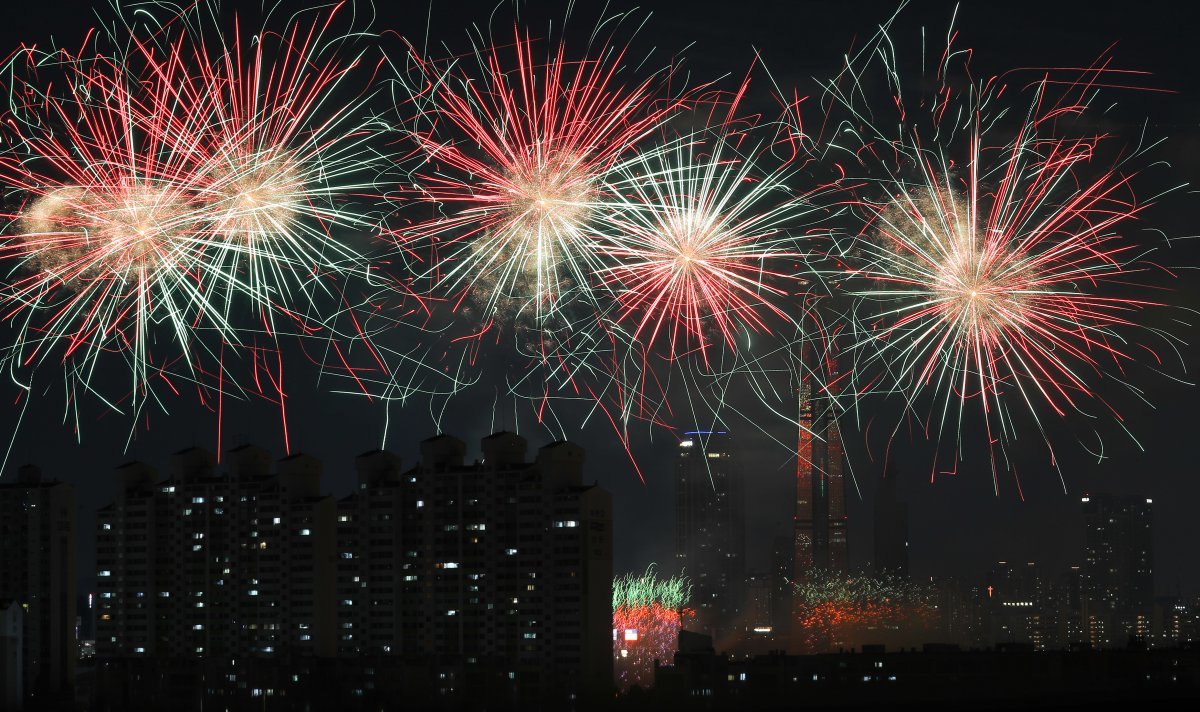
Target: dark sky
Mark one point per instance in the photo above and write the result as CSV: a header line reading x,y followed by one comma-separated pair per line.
x,y
959,526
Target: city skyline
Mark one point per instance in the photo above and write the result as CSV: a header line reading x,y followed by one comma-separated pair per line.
x,y
940,392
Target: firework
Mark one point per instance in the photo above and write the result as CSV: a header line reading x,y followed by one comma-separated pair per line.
x,y
831,609
515,157
160,183
995,271
647,615
705,239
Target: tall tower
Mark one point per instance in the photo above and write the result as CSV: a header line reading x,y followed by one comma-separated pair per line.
x,y
820,519
710,528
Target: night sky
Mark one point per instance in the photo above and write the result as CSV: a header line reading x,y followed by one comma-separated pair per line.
x,y
958,525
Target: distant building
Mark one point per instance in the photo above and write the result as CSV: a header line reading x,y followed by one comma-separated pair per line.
x,y
759,614
710,530
496,570
820,513
891,529
1025,606
1118,569
12,669
37,570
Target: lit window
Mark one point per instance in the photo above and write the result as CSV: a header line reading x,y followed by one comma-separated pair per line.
x,y
420,503
197,500
106,527
104,573
253,592
276,520
305,532
510,552
631,634
450,565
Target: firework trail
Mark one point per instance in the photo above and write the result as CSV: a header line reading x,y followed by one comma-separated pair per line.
x,y
174,199
647,615
995,271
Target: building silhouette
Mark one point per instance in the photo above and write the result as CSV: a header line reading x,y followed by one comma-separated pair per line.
x,y
208,565
891,529
500,570
710,529
1118,569
37,574
445,583
820,514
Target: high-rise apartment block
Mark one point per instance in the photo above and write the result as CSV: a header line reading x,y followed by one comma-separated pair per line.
x,y
459,580
500,569
216,565
37,574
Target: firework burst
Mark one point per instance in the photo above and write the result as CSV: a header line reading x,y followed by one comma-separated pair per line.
x,y
704,241
514,160
162,185
995,267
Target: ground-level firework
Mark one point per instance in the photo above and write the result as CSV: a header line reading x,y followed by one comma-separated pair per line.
x,y
647,615
834,610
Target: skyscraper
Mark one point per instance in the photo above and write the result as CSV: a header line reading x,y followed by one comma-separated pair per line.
x,y
1118,568
710,528
820,519
891,529
37,571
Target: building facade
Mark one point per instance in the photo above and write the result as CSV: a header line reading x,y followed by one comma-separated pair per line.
x,y
499,570
37,571
710,530
1118,569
